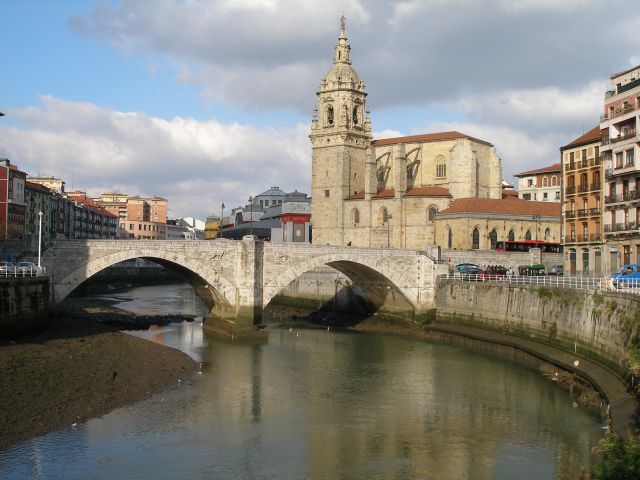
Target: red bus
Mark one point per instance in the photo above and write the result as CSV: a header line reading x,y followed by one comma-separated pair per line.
x,y
525,245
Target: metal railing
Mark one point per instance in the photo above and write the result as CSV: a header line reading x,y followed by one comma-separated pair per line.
x,y
21,272
579,283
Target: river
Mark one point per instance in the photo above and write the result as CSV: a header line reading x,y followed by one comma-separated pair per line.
x,y
317,404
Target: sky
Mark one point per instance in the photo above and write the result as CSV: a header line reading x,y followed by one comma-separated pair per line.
x,y
206,102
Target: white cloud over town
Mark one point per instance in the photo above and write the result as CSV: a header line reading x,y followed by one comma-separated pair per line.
x,y
197,165
526,75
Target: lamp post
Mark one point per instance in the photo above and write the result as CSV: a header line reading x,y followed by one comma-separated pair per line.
x,y
389,217
39,238
536,218
221,218
251,214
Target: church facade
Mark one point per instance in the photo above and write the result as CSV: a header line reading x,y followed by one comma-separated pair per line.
x,y
388,192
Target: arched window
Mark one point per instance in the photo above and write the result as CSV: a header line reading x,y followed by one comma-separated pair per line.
x,y
384,215
511,237
547,234
441,167
330,115
449,238
554,181
355,216
493,237
527,236
475,239
545,182
431,213
355,115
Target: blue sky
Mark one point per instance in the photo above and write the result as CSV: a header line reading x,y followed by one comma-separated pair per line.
x,y
209,101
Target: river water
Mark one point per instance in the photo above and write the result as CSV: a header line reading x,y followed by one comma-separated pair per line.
x,y
317,404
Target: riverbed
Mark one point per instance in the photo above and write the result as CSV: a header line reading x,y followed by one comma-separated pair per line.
x,y
318,404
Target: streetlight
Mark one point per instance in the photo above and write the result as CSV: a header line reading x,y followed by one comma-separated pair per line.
x,y
251,214
389,217
39,238
536,218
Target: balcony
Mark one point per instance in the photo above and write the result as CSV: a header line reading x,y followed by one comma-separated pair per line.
x,y
595,187
608,172
614,198
620,227
594,162
570,214
623,136
594,212
583,188
584,163
618,112
570,190
582,238
595,237
583,213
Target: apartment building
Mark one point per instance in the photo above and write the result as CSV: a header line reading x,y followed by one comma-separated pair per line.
x,y
542,184
582,201
13,208
619,149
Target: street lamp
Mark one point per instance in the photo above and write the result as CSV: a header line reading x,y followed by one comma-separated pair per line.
x,y
251,214
389,217
39,238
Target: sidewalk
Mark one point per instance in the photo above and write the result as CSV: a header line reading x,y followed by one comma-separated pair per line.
x,y
622,408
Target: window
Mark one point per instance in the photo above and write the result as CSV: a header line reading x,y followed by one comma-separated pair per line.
x,y
326,193
355,216
528,235
449,238
511,237
526,196
441,167
475,239
431,213
330,115
530,182
554,181
355,115
545,196
131,227
545,182
493,237
557,195
547,234
384,215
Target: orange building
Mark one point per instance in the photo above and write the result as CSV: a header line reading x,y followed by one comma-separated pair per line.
x,y
582,202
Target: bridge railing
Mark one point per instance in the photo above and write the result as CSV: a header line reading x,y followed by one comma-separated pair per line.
x,y
17,271
579,283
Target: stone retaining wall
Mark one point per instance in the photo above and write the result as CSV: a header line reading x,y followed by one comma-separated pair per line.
x,y
600,325
24,305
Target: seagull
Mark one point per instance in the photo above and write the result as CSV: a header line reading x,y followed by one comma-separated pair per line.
x,y
290,329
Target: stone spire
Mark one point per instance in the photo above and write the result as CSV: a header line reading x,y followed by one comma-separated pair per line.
x,y
343,47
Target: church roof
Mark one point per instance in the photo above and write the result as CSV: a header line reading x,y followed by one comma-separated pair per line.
x,y
509,206
427,137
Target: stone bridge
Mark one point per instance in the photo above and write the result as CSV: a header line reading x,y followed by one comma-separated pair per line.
x,y
239,278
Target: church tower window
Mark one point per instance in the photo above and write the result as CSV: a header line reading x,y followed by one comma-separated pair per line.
x,y
355,216
355,115
441,167
330,115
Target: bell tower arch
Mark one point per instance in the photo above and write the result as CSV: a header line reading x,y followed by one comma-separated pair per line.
x,y
340,136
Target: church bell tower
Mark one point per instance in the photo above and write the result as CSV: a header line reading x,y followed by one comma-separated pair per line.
x,y
340,136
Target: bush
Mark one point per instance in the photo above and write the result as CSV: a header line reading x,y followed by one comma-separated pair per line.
x,y
621,459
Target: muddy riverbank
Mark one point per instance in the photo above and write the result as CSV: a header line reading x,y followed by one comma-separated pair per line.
x,y
79,369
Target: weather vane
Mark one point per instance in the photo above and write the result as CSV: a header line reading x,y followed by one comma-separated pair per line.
x,y
343,21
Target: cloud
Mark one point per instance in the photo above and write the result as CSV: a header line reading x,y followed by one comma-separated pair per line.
x,y
197,165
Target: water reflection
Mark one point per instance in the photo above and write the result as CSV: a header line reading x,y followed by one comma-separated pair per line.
x,y
326,405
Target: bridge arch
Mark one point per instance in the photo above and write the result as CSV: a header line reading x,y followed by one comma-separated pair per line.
x,y
378,281
219,289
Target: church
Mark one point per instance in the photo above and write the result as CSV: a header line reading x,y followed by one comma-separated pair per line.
x,y
389,192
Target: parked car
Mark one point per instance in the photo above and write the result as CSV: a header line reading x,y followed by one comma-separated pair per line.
x,y
7,268
556,270
628,275
531,270
470,273
26,269
493,272
463,266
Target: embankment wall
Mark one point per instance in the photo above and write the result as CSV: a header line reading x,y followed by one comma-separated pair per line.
x,y
24,305
599,325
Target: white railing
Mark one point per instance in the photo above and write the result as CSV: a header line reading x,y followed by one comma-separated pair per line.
x,y
21,272
580,283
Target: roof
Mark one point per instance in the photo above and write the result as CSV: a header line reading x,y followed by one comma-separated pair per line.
x,y
87,201
427,137
36,186
591,136
617,74
272,192
510,206
556,167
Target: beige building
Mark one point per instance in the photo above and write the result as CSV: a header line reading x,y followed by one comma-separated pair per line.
x,y
478,223
386,192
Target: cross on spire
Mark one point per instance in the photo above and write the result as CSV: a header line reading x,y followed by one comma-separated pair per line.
x,y
343,21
